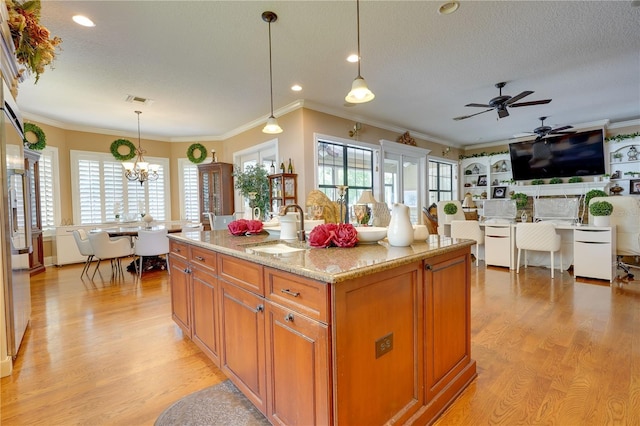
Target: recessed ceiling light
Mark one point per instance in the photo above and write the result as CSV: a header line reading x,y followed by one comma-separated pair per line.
x,y
448,8
352,58
83,20
296,88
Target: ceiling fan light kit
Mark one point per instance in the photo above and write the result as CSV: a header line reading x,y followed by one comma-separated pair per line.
x,y
501,102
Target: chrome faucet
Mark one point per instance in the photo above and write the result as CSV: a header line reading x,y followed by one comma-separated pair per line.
x,y
301,236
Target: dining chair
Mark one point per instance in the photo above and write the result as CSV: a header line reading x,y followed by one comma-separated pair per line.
x,y
469,229
112,249
151,243
442,217
84,247
538,236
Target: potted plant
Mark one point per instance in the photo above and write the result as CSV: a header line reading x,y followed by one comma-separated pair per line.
x,y
617,155
253,185
575,179
521,204
555,180
593,193
601,210
450,209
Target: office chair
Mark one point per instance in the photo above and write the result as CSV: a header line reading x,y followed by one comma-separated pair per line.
x,y
626,218
538,236
442,216
469,229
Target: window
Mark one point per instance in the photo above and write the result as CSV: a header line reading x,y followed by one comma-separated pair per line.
x,y
344,164
264,154
100,191
49,189
188,186
440,181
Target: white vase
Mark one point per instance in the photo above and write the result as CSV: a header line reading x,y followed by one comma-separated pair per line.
x,y
400,232
147,219
601,220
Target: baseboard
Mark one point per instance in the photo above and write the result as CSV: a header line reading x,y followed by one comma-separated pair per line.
x,y
6,367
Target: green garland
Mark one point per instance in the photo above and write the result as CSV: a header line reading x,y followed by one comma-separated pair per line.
x,y
41,139
199,147
115,150
481,154
620,138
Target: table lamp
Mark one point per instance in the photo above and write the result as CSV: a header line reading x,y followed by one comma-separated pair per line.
x,y
468,203
367,199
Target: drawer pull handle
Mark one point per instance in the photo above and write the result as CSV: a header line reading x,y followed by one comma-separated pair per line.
x,y
260,308
187,270
427,267
288,318
177,250
200,258
290,293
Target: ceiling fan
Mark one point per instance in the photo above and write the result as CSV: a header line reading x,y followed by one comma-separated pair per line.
x,y
543,131
501,102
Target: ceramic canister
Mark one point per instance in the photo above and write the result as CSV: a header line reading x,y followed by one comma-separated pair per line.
x,y
400,232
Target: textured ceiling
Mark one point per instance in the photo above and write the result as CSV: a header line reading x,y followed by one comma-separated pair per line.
x,y
205,65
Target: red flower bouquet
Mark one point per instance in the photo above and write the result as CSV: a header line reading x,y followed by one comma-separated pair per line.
x,y
244,227
331,234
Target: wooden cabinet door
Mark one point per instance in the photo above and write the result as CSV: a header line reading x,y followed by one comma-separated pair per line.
x,y
447,319
205,314
298,368
242,351
180,293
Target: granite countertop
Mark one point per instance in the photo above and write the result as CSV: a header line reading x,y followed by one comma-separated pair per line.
x,y
329,265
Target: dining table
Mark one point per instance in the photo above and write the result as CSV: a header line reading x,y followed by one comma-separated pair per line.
x,y
132,230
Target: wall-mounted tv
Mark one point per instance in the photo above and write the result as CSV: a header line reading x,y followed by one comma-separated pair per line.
x,y
577,154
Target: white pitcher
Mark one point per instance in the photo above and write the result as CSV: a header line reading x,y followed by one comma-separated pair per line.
x,y
400,232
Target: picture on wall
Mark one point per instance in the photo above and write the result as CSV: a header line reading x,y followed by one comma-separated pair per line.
x,y
499,192
634,186
482,180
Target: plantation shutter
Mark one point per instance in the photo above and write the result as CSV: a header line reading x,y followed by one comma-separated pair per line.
x,y
189,192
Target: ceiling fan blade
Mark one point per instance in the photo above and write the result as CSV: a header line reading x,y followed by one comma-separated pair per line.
x,y
468,116
479,105
561,129
516,98
540,102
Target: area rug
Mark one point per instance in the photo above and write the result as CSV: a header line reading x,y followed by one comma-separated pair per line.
x,y
222,404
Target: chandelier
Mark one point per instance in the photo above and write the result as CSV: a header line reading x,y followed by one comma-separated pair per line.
x,y
140,170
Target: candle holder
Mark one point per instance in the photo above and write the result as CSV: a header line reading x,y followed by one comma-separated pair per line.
x,y
342,189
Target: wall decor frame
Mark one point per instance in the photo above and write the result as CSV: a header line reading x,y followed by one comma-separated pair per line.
x,y
634,186
499,192
482,180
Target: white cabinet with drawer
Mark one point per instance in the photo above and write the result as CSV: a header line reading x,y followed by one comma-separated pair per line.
x,y
498,245
594,250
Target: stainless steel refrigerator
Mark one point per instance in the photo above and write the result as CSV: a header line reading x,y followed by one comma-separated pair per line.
x,y
15,234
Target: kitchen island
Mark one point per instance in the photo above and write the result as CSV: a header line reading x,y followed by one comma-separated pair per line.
x,y
367,335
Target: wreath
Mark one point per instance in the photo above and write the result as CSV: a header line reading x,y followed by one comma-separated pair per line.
x,y
193,158
115,149
41,139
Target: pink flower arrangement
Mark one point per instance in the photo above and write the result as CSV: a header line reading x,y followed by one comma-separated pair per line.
x,y
331,234
244,227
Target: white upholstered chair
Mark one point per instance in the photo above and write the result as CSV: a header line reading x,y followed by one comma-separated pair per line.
x,y
626,218
84,247
537,237
469,229
442,217
106,248
151,243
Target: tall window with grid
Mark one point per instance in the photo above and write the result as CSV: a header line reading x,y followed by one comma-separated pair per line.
x,y
440,181
188,182
100,190
49,188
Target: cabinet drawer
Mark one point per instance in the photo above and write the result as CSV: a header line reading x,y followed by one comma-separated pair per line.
x,y
178,249
497,231
242,273
592,236
306,296
204,258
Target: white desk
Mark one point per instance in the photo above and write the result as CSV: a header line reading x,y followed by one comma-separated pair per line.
x,y
590,249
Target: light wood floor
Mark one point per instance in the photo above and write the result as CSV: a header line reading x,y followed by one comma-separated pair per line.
x,y
106,352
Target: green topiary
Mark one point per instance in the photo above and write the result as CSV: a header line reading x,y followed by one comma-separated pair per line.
x,y
554,181
594,193
521,200
601,208
450,208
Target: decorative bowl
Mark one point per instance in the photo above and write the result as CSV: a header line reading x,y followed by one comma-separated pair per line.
x,y
370,234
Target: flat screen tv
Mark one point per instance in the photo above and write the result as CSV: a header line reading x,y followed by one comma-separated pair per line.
x,y
577,154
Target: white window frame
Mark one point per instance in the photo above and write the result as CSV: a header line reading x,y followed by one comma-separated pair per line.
x,y
182,164
52,152
257,154
76,155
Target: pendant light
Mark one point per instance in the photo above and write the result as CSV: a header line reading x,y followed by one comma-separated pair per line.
x,y
272,126
359,93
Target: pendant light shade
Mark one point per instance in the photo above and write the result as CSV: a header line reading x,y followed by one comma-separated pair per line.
x,y
359,93
272,126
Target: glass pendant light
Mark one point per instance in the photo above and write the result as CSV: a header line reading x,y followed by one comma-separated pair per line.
x,y
359,93
272,126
